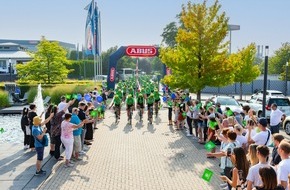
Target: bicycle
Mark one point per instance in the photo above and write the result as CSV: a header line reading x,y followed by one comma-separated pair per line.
x,y
117,114
156,108
140,114
150,115
130,115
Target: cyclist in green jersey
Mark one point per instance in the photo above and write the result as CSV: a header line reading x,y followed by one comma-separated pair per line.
x,y
117,104
140,102
119,93
148,91
130,104
131,91
150,102
156,99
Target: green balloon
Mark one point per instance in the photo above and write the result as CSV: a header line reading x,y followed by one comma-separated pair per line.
x,y
74,96
183,114
94,113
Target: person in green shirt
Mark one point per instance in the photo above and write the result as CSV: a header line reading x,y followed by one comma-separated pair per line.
x,y
131,91
156,100
130,103
119,93
117,105
148,91
140,102
150,102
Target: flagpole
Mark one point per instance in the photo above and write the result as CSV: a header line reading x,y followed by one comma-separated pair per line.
x,y
93,48
100,44
77,58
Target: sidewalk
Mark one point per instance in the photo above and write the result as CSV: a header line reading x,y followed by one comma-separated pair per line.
x,y
143,156
122,157
17,167
138,157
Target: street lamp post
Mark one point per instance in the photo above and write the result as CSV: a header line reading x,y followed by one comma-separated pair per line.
x,y
10,69
265,80
286,72
232,27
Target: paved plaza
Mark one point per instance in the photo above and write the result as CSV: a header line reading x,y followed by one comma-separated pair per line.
x,y
124,157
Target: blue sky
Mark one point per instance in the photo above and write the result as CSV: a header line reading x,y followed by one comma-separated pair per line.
x,y
138,22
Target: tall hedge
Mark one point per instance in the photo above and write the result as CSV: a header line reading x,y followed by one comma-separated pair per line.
x,y
4,99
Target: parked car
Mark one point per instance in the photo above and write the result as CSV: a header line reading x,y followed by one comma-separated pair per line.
x,y
286,125
227,101
268,93
102,78
283,104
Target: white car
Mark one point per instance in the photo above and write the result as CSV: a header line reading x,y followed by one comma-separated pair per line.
x,y
268,93
227,101
283,104
286,125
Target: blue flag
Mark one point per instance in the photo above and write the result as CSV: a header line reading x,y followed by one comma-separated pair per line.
x,y
96,31
89,31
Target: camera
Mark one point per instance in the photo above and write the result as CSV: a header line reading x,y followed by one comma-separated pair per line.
x,y
229,152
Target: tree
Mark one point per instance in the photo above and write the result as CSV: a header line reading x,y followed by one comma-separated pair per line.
x,y
245,70
145,65
106,57
169,34
199,58
157,65
48,64
277,63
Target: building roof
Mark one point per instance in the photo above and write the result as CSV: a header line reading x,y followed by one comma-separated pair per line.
x,y
14,55
32,44
9,44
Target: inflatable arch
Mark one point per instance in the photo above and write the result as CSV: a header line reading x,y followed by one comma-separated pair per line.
x,y
134,51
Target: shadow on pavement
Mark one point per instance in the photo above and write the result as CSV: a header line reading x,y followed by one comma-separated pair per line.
x,y
139,125
181,153
151,128
18,158
128,128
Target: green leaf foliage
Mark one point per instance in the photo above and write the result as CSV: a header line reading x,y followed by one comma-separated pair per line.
x,y
277,63
48,64
245,70
200,56
169,34
4,100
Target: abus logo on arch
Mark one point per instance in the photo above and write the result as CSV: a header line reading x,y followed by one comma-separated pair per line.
x,y
112,74
141,51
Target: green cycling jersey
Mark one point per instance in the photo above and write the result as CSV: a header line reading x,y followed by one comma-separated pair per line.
x,y
140,100
117,101
156,95
130,101
150,100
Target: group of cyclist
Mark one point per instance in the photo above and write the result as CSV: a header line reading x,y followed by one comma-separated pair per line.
x,y
136,94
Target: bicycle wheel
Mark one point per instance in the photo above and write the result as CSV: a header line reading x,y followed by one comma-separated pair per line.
x,y
140,114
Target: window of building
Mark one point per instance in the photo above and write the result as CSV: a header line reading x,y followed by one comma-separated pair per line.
x,y
3,64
